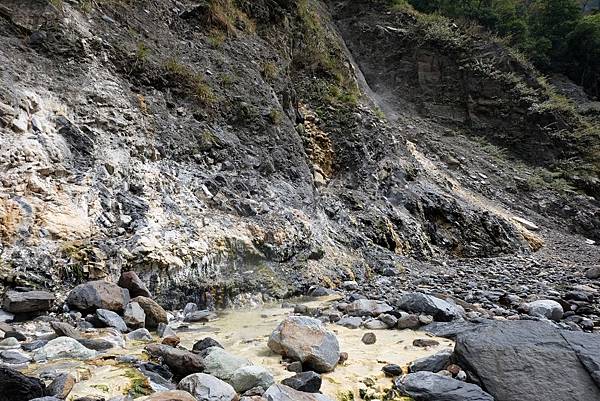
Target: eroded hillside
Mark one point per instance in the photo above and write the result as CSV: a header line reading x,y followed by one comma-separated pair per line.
x,y
235,146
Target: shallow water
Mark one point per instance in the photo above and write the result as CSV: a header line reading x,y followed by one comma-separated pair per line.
x,y
245,333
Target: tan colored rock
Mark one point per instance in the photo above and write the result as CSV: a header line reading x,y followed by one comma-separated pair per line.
x,y
174,395
155,314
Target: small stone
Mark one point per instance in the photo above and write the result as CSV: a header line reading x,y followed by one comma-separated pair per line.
x,y
369,338
172,341
204,344
61,386
425,342
140,335
200,316
425,319
343,357
392,370
164,330
295,366
389,320
593,273
308,382
375,324
408,321
367,307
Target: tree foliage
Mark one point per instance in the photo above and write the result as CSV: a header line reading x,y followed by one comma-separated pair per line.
x,y
554,34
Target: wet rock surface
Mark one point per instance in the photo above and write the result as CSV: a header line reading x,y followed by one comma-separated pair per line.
x,y
308,341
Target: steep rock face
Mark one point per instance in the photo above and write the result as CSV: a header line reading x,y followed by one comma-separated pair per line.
x,y
185,146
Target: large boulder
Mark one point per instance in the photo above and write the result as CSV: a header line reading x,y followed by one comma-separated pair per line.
x,y
207,388
416,302
111,319
367,307
222,364
15,386
27,302
306,340
98,295
248,377
172,395
155,314
428,386
134,285
281,392
63,348
531,360
181,362
134,316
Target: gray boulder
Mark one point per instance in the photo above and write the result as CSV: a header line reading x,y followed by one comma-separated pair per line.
x,y
306,340
248,377
428,386
416,302
111,319
281,392
134,316
350,322
222,364
63,348
189,308
531,360
140,335
367,307
408,321
65,329
12,357
207,388
98,295
181,362
200,316
133,284
545,308
155,314
27,302
432,363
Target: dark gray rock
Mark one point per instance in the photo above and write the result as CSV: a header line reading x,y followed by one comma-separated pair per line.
x,y
392,369
369,338
140,335
61,386
531,360
350,322
47,398
367,307
433,363
134,285
309,382
111,319
28,302
155,314
14,357
408,321
452,329
134,316
33,345
441,310
181,362
97,344
281,392
15,386
98,294
205,344
64,329
200,316
428,386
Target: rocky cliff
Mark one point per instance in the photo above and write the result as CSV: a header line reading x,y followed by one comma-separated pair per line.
x,y
225,147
